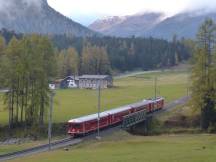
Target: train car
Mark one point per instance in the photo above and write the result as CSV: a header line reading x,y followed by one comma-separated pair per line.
x,y
86,124
89,123
150,106
116,115
155,104
159,103
142,105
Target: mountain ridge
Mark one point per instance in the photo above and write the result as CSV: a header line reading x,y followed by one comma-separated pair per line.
x,y
36,16
185,24
128,25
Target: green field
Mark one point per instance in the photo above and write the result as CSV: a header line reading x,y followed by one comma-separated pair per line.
x,y
125,148
76,102
4,149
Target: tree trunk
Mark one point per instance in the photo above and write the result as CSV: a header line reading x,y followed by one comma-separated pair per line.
x,y
12,107
26,99
17,101
41,122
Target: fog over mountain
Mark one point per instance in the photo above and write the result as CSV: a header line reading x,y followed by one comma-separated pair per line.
x,y
185,24
36,16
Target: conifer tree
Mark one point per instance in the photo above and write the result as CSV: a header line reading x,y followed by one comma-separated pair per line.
x,y
72,62
203,74
95,60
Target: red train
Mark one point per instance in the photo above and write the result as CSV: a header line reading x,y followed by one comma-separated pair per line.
x,y
89,123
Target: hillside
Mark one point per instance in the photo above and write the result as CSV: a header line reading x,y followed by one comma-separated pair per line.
x,y
155,24
103,25
183,25
31,16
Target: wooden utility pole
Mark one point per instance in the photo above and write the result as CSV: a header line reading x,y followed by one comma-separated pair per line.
x,y
99,107
155,87
50,118
10,115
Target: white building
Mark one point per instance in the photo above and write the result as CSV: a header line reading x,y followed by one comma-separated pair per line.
x,y
92,81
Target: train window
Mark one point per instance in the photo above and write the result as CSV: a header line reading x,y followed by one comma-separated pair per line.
x,y
77,126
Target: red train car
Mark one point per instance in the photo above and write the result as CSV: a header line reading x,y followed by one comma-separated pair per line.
x,y
85,124
139,106
89,123
116,115
159,103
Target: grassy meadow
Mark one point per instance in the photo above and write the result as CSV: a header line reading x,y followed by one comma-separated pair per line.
x,y
75,102
122,147
4,149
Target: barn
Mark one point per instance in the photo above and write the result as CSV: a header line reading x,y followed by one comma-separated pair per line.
x,y
92,81
68,82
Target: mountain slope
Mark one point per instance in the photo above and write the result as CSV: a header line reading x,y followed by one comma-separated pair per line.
x,y
36,16
153,24
183,25
127,26
102,25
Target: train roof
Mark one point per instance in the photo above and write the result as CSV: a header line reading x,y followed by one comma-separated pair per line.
x,y
102,114
119,109
160,98
88,118
141,103
112,111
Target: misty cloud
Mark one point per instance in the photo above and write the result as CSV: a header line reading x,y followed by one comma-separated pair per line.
x,y
205,5
12,8
86,11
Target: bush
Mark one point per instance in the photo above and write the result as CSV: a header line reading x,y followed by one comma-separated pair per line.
x,y
212,128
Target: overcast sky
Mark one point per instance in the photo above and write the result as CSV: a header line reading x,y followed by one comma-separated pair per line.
x,y
86,11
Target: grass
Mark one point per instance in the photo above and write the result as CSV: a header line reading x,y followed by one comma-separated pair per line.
x,y
180,110
4,149
125,148
76,102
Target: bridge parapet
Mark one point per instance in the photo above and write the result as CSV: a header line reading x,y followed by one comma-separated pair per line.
x,y
133,119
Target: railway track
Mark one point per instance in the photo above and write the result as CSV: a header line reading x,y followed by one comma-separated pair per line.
x,y
169,106
70,142
58,144
41,148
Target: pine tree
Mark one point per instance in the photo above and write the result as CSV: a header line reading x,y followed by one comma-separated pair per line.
x,y
68,63
72,62
61,64
2,45
2,51
203,88
95,60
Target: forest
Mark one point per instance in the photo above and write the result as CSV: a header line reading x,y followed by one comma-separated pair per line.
x,y
126,54
119,54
